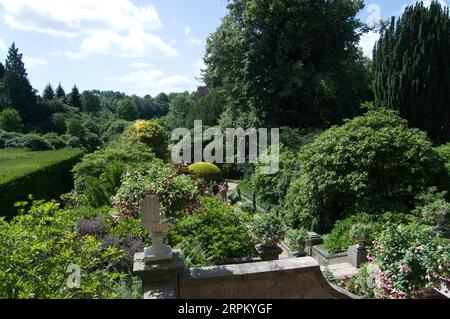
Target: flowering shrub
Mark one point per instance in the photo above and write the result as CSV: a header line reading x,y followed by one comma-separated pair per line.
x,y
176,191
151,134
411,261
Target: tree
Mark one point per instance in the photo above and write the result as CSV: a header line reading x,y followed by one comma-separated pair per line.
x,y
2,70
77,129
126,110
49,93
90,102
20,94
179,109
75,98
412,70
10,120
207,108
60,93
288,62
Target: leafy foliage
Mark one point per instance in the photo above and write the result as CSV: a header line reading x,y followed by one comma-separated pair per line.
x,y
10,120
214,236
207,171
372,163
151,134
267,228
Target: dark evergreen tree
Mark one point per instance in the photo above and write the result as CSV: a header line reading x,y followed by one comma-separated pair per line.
x,y
75,98
412,69
20,94
2,70
60,93
49,93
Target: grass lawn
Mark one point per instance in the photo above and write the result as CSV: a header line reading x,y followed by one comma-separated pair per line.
x,y
16,163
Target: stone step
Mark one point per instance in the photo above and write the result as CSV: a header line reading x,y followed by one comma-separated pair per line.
x,y
341,270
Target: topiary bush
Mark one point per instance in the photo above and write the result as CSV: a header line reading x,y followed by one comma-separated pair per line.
x,y
207,171
151,134
371,162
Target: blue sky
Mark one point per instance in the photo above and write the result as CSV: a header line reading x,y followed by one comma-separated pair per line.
x,y
134,46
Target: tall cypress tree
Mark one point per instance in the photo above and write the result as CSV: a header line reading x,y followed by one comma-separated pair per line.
x,y
18,89
412,69
60,93
49,93
75,98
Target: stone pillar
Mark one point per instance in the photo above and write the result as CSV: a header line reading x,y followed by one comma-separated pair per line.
x,y
314,240
357,255
158,266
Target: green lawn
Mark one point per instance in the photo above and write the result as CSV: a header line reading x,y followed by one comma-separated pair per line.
x,y
16,163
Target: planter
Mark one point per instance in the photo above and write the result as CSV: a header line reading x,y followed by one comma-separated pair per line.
x,y
269,252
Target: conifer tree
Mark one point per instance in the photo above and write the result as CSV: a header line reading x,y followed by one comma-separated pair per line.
x,y
20,94
75,98
49,93
412,69
60,93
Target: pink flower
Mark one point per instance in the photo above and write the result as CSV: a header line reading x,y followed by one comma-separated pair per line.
x,y
420,249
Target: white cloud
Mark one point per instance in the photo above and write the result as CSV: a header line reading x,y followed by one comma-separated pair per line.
x,y
199,66
31,62
141,65
112,27
148,80
2,45
367,43
191,40
187,30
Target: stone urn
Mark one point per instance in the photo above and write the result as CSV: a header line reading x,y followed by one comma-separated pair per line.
x,y
301,250
269,252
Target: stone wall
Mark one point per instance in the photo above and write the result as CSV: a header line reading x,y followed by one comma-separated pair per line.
x,y
298,278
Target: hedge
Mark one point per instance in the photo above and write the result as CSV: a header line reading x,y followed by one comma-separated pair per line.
x,y
46,181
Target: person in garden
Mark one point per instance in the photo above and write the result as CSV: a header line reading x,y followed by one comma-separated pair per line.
x,y
215,188
224,191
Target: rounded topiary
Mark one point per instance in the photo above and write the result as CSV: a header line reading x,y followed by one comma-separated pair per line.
x,y
208,171
369,164
151,134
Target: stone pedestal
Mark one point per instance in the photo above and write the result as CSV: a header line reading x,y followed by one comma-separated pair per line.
x,y
357,255
314,240
159,279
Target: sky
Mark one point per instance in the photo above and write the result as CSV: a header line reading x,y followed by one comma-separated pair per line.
x,y
133,46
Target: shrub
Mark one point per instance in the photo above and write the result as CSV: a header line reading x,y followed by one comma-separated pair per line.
x,y
55,140
267,228
234,197
411,261
36,143
93,165
151,134
10,120
11,140
73,141
76,128
367,163
37,249
340,237
114,129
271,189
297,238
214,236
444,182
247,208
207,171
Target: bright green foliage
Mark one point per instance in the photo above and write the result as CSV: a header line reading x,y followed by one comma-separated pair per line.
x,y
411,261
113,129
215,235
340,237
288,62
296,238
10,120
412,70
76,128
38,247
268,228
372,162
207,171
43,174
151,134
93,165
